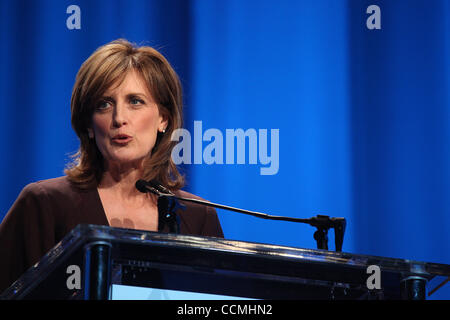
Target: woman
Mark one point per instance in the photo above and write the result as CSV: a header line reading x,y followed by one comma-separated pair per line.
x,y
125,104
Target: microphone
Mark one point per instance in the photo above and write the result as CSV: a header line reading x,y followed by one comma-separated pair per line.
x,y
166,205
158,186
321,222
144,187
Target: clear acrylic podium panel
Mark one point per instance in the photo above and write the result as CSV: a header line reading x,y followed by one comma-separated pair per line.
x,y
219,268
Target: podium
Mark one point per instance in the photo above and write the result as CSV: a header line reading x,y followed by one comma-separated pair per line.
x,y
98,262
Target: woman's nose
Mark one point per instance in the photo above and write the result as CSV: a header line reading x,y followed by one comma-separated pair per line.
x,y
119,115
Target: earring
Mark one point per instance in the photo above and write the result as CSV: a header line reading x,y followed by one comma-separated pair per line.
x,y
163,131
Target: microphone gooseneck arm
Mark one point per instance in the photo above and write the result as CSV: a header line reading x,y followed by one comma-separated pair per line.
x,y
321,222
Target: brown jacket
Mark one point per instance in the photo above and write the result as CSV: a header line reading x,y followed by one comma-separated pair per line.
x,y
47,210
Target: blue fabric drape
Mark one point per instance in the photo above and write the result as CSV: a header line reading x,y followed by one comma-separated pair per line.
x,y
363,115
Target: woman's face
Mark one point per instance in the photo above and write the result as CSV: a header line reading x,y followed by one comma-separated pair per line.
x,y
126,121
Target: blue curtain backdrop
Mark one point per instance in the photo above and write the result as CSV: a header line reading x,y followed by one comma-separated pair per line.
x,y
363,115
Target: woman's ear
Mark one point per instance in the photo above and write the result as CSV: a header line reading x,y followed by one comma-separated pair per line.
x,y
164,123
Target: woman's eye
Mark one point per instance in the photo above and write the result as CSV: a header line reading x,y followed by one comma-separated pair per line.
x,y
136,101
102,105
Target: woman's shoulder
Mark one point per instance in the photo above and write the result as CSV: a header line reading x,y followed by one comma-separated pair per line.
x,y
61,201
192,207
199,219
50,184
185,194
54,187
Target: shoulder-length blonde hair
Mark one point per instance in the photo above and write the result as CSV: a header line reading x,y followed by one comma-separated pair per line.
x,y
108,65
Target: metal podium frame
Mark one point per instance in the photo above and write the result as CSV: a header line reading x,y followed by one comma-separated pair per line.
x,y
108,256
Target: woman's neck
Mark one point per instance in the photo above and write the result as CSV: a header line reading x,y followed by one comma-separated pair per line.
x,y
121,180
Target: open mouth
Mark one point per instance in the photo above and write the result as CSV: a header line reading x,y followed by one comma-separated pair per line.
x,y
121,139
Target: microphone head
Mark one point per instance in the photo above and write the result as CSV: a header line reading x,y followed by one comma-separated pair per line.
x,y
158,186
141,185
144,187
